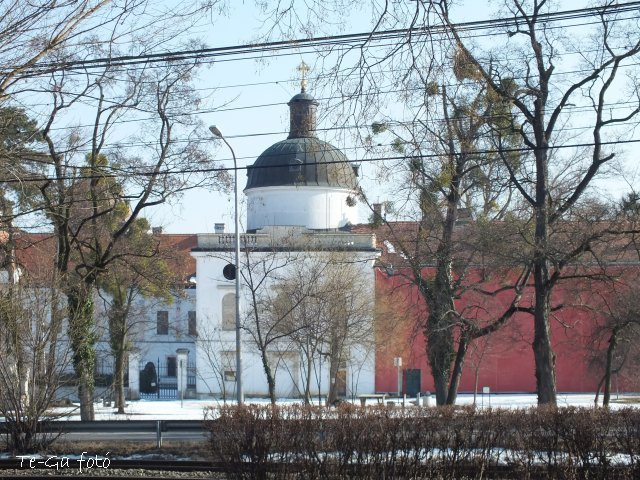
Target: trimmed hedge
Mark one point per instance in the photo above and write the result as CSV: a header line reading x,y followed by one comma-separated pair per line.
x,y
300,441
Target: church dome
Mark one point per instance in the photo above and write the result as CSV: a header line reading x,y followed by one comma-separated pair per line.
x,y
301,161
302,180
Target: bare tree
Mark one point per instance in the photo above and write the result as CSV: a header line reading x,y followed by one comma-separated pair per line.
x,y
619,330
34,361
43,48
324,308
92,213
552,183
52,35
299,303
348,317
29,32
140,272
220,362
451,181
264,325
556,138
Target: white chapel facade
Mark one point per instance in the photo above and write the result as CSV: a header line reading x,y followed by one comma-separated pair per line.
x,y
301,201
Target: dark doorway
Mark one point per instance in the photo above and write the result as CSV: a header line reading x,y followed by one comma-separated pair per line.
x,y
412,381
172,367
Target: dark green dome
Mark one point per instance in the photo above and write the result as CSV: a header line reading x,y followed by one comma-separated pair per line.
x,y
301,161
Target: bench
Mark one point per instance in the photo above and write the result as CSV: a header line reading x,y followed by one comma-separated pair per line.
x,y
380,397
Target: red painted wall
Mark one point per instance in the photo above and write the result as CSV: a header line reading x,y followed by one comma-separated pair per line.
x,y
506,364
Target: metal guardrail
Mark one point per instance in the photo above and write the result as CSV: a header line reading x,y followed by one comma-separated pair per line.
x,y
123,426
68,426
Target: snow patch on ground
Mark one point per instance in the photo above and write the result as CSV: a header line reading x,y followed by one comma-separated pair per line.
x,y
194,409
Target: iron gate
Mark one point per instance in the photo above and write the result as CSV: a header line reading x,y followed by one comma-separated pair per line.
x,y
159,381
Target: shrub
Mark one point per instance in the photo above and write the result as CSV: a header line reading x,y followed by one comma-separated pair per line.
x,y
383,442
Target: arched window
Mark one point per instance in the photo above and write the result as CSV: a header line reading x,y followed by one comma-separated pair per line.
x,y
229,311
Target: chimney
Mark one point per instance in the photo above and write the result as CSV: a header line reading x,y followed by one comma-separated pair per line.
x,y
156,230
378,210
218,227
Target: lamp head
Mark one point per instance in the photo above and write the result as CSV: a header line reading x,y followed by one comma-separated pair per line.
x,y
214,130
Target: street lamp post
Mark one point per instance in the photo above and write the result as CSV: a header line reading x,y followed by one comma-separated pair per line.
x,y
239,392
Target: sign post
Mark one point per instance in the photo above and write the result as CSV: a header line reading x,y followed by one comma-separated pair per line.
x,y
486,390
397,362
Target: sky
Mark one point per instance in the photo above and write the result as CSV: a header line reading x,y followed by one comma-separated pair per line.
x,y
277,81
270,81
247,100
250,126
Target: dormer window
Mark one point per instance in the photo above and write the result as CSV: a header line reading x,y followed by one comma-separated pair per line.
x,y
295,165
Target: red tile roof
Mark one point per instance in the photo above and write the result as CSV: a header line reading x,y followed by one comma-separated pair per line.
x,y
35,253
611,243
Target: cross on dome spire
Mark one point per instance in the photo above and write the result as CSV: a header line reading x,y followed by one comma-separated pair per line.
x,y
304,69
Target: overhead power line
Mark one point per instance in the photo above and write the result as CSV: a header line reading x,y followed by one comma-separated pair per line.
x,y
334,40
189,62
391,123
168,172
322,99
206,140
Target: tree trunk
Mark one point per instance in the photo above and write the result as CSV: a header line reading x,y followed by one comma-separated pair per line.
x,y
307,385
82,337
118,333
613,340
336,357
440,300
440,349
56,327
439,334
271,382
118,380
545,359
456,375
475,384
85,394
118,327
543,352
334,366
598,388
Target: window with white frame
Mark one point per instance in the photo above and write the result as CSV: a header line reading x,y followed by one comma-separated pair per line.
x,y
162,322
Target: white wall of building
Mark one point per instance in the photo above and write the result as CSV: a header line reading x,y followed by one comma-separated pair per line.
x,y
310,207
150,345
216,346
